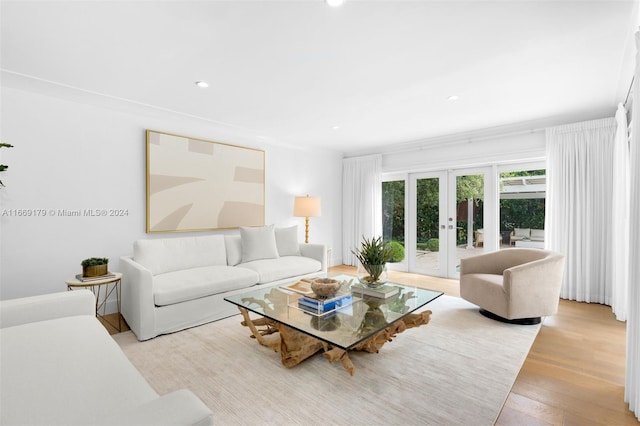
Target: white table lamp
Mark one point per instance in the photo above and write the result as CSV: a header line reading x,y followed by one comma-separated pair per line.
x,y
306,207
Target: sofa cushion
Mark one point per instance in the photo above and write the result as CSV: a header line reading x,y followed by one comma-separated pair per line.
x,y
287,241
537,234
180,286
175,254
522,232
179,407
284,267
66,371
258,243
234,249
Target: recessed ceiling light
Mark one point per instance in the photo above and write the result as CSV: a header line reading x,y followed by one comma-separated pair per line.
x,y
335,127
453,98
202,84
334,3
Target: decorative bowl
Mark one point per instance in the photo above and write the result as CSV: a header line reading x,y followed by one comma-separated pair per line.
x,y
325,287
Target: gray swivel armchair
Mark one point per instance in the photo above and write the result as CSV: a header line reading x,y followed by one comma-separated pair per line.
x,y
513,285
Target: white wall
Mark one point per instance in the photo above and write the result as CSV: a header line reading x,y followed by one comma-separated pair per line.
x,y
70,155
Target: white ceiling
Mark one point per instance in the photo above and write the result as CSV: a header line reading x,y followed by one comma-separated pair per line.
x,y
290,71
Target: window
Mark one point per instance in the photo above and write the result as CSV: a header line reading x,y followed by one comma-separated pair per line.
x,y
393,216
522,208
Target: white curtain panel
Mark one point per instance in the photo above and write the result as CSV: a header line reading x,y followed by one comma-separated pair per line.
x,y
361,201
632,382
620,218
578,213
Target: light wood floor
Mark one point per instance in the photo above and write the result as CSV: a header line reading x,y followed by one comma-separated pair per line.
x,y
112,319
573,374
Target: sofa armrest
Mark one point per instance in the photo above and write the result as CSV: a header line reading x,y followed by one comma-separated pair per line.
x,y
177,408
46,307
137,298
317,252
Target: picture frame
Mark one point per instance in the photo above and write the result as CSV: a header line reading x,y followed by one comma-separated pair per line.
x,y
200,185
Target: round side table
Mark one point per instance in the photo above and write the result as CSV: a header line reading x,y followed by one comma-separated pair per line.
x,y
111,284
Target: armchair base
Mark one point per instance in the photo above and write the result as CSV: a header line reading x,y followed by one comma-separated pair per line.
x,y
519,321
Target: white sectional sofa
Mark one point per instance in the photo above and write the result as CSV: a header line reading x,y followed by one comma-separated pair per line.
x,y
60,367
170,284
527,234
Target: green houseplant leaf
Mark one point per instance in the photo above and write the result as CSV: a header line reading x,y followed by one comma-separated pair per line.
x,y
4,167
373,255
93,261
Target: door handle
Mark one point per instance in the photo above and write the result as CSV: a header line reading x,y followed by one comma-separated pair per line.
x,y
450,226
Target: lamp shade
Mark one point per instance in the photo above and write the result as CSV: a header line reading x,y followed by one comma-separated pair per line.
x,y
306,207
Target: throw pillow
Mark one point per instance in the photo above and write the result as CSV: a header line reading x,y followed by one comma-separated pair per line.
x,y
287,241
258,243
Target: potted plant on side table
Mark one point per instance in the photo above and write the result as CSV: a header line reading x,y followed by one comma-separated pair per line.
x,y
95,266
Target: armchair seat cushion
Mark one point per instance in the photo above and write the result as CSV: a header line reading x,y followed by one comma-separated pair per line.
x,y
180,286
486,290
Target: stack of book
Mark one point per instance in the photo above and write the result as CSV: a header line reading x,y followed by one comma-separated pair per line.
x,y
382,292
322,306
83,279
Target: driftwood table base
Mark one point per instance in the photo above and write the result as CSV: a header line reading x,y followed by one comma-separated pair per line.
x,y
295,346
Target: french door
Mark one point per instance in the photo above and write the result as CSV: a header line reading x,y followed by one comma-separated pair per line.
x,y
451,216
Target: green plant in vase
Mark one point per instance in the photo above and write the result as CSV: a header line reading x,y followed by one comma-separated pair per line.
x,y
95,266
373,256
4,167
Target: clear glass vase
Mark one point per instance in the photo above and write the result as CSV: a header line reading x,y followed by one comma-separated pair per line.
x,y
372,275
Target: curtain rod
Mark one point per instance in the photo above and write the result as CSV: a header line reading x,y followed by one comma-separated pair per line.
x,y
629,92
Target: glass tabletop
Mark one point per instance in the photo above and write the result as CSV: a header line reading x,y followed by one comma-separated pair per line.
x,y
354,320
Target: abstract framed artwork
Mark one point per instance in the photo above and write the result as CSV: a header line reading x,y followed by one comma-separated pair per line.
x,y
199,185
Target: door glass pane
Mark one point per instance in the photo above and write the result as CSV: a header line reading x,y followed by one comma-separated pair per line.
x,y
522,203
427,221
469,217
393,217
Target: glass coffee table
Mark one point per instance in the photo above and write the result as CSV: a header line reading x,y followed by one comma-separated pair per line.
x,y
364,323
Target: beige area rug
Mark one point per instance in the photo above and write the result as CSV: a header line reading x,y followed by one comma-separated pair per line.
x,y
456,370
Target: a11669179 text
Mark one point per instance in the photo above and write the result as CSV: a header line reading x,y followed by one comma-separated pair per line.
x,y
64,212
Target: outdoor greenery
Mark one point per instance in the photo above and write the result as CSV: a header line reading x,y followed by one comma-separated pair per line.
x,y
514,213
393,210
428,194
522,212
397,251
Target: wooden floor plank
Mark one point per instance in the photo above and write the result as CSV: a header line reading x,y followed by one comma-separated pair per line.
x,y
113,319
522,410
